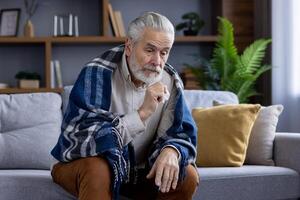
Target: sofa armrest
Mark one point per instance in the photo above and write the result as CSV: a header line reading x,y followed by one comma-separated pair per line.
x,y
287,150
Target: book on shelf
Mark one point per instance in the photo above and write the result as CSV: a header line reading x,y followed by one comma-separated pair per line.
x,y
56,75
120,23
52,75
112,20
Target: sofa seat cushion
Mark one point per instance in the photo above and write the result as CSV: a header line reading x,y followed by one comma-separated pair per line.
x,y
247,182
30,185
29,128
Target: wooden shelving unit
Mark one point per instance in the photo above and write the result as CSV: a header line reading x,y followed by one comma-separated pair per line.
x,y
48,44
94,39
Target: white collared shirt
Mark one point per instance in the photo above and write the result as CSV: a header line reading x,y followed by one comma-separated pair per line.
x,y
126,99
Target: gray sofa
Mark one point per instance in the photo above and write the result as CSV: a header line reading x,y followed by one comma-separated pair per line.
x,y
30,124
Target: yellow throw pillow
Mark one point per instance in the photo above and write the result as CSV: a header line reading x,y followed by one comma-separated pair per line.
x,y
223,134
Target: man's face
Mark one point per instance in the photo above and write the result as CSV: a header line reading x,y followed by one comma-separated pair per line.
x,y
147,57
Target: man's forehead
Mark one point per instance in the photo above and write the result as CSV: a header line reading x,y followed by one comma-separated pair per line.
x,y
155,46
157,39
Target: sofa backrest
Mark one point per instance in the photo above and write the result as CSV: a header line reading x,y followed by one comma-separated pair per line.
x,y
29,128
194,98
30,124
205,98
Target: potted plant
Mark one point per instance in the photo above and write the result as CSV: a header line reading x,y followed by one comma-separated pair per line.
x,y
227,70
28,79
191,25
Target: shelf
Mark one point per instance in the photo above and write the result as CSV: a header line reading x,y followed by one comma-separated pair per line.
x,y
96,39
29,90
17,40
107,39
87,39
199,38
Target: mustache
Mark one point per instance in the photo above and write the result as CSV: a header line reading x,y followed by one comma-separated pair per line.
x,y
152,68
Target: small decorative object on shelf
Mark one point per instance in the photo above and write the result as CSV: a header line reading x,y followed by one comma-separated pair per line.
x,y
30,8
191,25
65,25
3,85
9,22
28,79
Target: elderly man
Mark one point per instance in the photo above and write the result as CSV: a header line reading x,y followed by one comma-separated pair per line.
x,y
127,129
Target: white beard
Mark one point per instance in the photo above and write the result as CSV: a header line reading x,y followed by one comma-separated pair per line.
x,y
139,73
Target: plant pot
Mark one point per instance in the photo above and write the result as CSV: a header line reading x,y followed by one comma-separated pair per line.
x,y
28,29
190,32
24,83
3,85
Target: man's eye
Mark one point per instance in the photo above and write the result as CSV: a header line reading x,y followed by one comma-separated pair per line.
x,y
164,53
149,50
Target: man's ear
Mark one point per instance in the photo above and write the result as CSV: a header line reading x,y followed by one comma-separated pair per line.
x,y
128,47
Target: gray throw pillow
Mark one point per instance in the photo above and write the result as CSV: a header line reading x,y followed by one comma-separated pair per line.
x,y
29,128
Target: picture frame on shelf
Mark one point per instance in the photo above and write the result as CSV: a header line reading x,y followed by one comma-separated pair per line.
x,y
9,21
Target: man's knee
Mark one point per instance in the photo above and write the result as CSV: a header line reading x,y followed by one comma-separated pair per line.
x,y
95,169
190,182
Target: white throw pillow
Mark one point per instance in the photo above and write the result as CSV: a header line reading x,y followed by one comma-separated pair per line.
x,y
260,147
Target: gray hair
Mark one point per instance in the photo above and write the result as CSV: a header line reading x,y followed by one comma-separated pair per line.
x,y
149,20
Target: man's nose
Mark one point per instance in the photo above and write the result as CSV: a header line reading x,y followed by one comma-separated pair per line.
x,y
156,59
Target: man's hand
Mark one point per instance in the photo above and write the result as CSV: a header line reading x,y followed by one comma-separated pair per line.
x,y
165,169
154,95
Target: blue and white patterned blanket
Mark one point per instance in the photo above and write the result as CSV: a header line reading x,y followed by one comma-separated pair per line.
x,y
89,129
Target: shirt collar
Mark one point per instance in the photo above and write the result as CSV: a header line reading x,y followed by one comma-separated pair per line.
x,y
124,68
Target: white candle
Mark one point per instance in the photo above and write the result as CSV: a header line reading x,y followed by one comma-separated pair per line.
x,y
70,25
55,26
76,26
61,23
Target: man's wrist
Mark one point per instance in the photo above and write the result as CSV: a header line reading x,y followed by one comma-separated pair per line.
x,y
144,115
175,149
172,149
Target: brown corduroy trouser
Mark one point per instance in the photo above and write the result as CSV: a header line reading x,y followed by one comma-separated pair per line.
x,y
89,179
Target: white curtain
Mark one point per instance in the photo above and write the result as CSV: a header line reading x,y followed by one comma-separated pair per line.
x,y
286,62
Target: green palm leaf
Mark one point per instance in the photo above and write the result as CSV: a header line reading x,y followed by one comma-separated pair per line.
x,y
253,56
246,89
225,54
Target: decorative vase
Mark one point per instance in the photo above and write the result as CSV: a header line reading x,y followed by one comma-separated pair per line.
x,y
28,29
